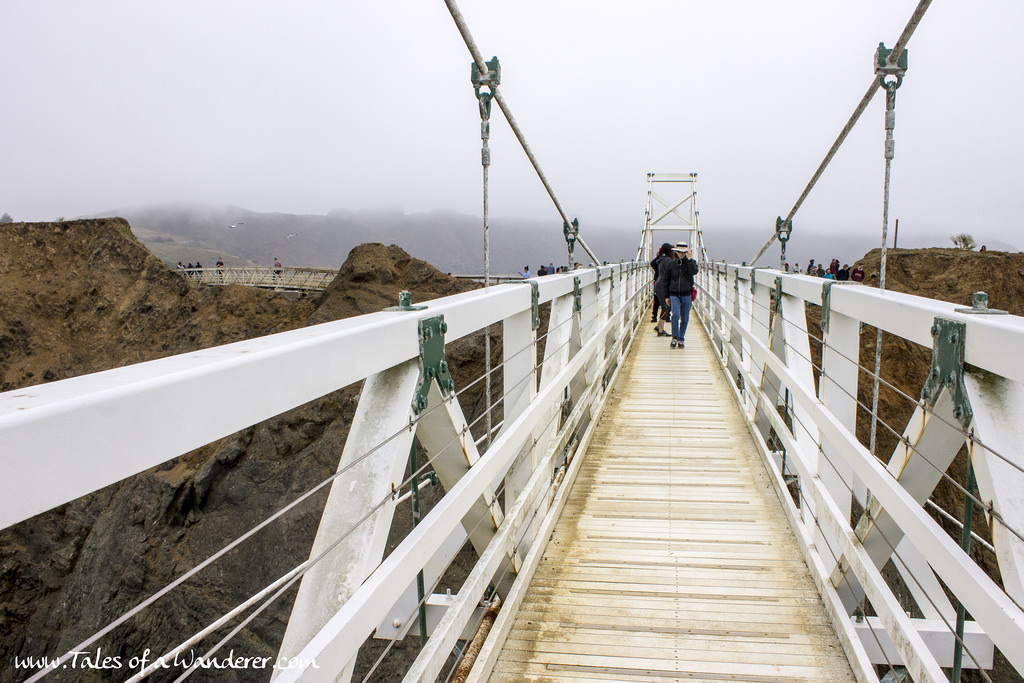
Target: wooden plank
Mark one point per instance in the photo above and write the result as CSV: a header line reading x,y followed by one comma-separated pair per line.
x,y
672,559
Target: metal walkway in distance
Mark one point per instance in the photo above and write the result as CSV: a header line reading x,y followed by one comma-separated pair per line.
x,y
673,559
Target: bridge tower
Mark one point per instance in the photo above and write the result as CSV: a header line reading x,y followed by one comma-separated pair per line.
x,y
671,214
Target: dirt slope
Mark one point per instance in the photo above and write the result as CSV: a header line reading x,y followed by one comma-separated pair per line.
x,y
83,296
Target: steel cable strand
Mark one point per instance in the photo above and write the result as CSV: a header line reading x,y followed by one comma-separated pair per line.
x,y
474,51
413,613
957,426
301,568
866,511
897,50
900,438
212,558
944,475
309,564
824,536
987,508
230,546
836,559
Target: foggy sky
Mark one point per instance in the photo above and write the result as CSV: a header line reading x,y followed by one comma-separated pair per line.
x,y
319,105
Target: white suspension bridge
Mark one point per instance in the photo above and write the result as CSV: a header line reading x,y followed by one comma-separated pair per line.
x,y
637,512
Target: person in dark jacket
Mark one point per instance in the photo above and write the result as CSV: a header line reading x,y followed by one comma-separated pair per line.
x,y
664,252
665,265
680,292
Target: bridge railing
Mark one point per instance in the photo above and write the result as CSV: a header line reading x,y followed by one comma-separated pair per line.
x,y
65,439
267,277
895,582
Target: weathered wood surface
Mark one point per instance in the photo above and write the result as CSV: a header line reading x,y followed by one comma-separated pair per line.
x,y
673,559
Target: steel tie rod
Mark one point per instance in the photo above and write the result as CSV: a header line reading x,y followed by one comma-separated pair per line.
x,y
897,50
467,37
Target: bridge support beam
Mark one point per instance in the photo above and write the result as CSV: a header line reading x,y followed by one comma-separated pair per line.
x,y
367,483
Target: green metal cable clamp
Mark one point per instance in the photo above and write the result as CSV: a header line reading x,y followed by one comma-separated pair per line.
x,y
433,366
577,302
783,229
948,345
882,68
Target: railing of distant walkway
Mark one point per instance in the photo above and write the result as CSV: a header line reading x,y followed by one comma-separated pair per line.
x,y
853,512
81,434
266,277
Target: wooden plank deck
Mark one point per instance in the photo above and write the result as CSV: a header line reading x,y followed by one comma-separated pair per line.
x,y
673,559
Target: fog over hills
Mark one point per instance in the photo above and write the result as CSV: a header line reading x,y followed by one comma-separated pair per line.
x,y
450,241
453,242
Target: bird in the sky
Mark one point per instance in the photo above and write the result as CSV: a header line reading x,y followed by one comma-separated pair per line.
x,y
235,225
291,236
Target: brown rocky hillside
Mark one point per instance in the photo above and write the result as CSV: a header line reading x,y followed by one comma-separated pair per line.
x,y
951,275
83,296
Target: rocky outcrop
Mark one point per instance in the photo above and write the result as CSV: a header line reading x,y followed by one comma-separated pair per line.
x,y
84,296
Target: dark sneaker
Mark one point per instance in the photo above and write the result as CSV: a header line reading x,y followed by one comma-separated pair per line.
x,y
674,343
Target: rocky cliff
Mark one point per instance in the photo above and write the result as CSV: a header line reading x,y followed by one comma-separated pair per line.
x,y
83,296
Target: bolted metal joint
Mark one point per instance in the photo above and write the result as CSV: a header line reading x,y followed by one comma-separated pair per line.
x,y
948,348
433,365
884,67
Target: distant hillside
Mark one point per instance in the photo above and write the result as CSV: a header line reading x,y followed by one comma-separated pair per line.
x,y
452,242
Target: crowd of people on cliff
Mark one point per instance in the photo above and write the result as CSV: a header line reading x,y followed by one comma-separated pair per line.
x,y
833,272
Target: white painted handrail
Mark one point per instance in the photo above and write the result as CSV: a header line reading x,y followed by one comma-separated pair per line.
x,y
757,319
81,434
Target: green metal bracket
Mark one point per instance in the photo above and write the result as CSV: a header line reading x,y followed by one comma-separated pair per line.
x,y
491,82
980,305
948,346
882,68
597,282
405,303
577,301
493,77
433,366
881,62
783,229
534,300
778,293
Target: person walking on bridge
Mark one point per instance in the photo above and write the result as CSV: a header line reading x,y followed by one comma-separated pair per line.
x,y
665,262
664,252
680,291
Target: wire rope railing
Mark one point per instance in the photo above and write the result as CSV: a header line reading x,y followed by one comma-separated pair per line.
x,y
750,326
609,302
899,436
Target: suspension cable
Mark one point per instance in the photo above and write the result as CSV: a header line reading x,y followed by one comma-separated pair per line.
x,y
890,145
897,50
467,37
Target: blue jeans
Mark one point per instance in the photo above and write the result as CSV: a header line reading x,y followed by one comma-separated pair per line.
x,y
680,315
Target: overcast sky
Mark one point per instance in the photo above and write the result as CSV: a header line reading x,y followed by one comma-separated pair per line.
x,y
309,106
